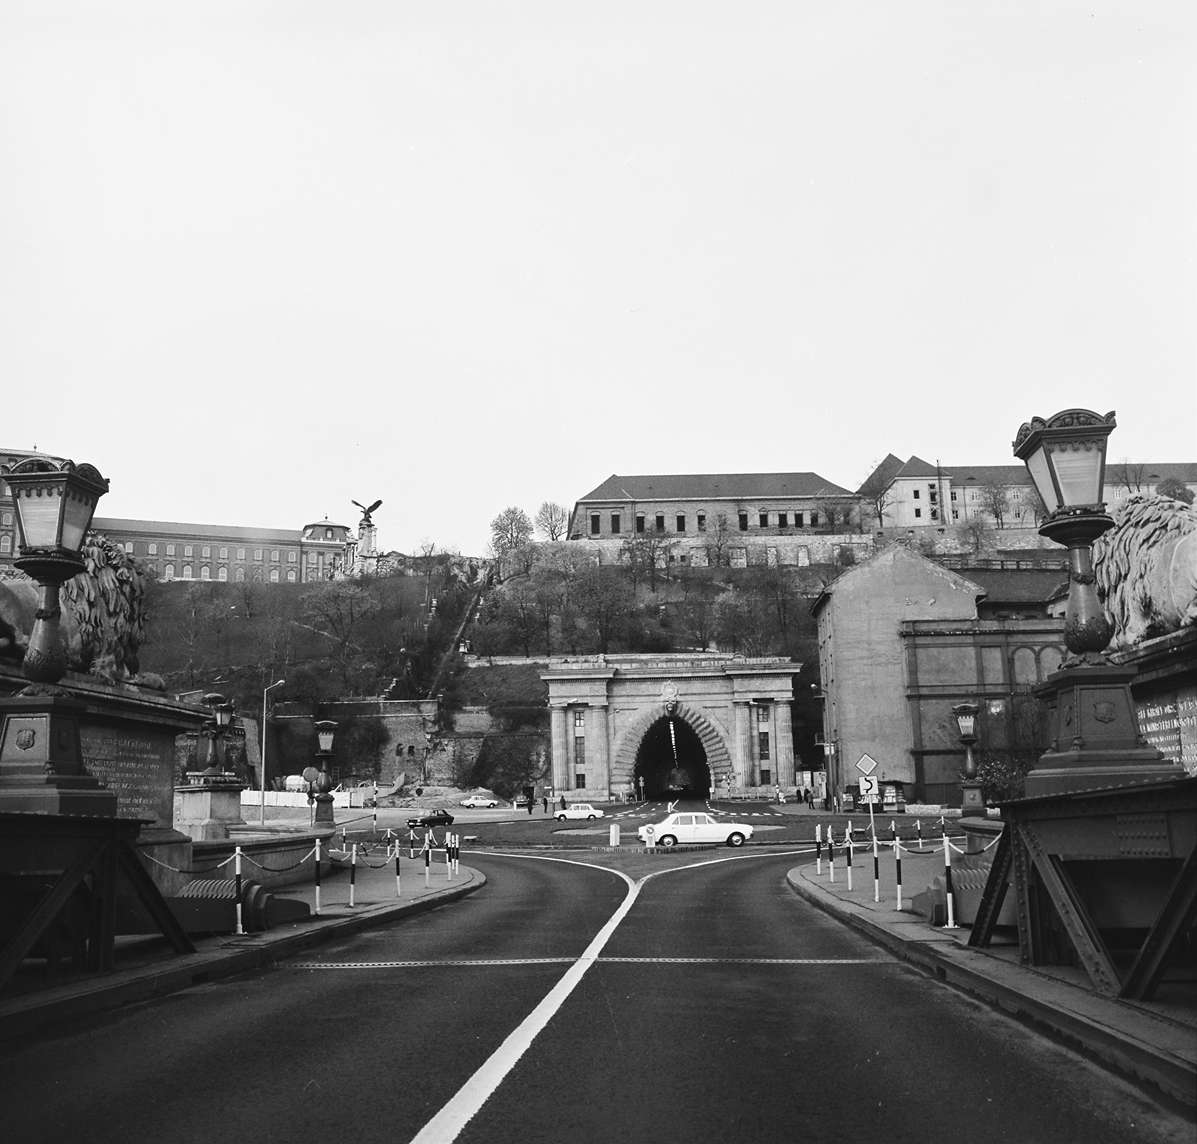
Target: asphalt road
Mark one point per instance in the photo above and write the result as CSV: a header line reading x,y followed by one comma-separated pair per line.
x,y
714,1004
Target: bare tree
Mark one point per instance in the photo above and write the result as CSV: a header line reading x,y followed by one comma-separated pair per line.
x,y
1131,477
510,529
552,519
995,500
977,533
645,554
720,538
878,494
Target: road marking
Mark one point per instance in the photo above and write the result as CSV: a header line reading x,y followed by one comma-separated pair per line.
x,y
482,963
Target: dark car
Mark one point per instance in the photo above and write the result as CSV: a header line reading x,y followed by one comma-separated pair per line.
x,y
436,818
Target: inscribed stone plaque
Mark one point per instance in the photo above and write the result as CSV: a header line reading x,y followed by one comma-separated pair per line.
x,y
1168,721
137,766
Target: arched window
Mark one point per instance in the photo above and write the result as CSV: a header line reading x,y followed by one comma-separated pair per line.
x,y
239,576
1049,660
274,575
186,571
205,572
168,573
1025,668
222,574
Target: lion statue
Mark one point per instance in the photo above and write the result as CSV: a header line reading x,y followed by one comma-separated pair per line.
x,y
103,612
1146,569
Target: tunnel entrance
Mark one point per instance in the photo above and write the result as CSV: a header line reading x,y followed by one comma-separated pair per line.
x,y
666,774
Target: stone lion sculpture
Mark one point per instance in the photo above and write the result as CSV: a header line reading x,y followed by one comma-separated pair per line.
x,y
103,613
1146,569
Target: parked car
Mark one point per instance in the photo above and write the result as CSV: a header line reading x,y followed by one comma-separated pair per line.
x,y
578,810
690,828
476,800
435,818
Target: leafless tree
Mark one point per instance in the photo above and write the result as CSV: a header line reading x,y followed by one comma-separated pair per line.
x,y
995,500
552,520
878,494
1128,475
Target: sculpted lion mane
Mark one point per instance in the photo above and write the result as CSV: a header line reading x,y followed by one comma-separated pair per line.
x,y
1146,569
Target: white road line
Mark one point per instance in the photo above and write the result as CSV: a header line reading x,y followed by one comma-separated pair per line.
x,y
484,963
464,1105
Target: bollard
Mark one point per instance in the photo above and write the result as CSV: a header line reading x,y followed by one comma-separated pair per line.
x,y
876,871
830,855
427,860
918,829
818,848
344,843
376,807
613,836
352,874
448,858
947,881
398,876
237,876
848,855
898,868
316,911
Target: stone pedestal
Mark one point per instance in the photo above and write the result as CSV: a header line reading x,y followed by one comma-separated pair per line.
x,y
208,805
41,759
972,799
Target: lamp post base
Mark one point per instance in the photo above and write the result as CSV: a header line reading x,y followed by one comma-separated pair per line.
x,y
972,799
324,810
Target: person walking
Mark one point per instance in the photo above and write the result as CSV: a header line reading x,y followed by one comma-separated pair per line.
x,y
563,802
545,800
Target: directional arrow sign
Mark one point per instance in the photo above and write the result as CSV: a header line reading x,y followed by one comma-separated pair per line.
x,y
869,786
866,764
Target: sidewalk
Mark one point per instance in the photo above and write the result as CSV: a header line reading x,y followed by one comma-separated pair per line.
x,y
1151,1042
147,967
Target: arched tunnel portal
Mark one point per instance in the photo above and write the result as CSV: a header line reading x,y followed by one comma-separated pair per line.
x,y
672,761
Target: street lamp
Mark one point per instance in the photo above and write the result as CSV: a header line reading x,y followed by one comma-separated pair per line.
x,y
972,792
265,693
54,502
322,784
215,729
1095,732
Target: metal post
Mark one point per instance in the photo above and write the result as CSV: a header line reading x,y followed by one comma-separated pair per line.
x,y
818,848
898,868
398,876
352,874
237,876
876,871
262,808
947,881
317,910
830,855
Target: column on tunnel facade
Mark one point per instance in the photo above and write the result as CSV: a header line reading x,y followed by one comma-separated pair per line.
x,y
559,747
598,752
783,736
742,748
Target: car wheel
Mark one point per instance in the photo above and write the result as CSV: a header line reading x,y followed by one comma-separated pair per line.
x,y
590,817
735,839
667,840
561,818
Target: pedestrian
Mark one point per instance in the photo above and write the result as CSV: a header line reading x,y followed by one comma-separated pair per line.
x,y
563,802
545,800
531,803
808,798
777,792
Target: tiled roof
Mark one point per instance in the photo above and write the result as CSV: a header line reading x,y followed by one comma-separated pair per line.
x,y
176,528
1016,585
713,486
917,467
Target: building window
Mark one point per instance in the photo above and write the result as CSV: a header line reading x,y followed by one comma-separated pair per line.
x,y
702,522
292,556
152,549
783,520
240,553
955,514
797,520
311,557
274,554
579,780
5,543
681,522
128,547
205,572
596,522
766,776
328,534
290,575
257,554
224,552
579,719
580,751
763,740
743,522
615,524
764,520
814,520
660,522
918,512
186,571
222,574
274,575
206,551
188,550
916,494
952,494
640,522
762,714
239,576
168,573
6,518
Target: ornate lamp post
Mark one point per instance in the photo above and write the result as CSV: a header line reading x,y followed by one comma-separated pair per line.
x,y
322,784
1095,734
972,800
54,505
214,730
41,757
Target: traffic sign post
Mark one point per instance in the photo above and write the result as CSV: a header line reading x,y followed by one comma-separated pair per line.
x,y
869,786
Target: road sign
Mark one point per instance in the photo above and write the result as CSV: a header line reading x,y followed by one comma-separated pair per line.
x,y
866,764
869,786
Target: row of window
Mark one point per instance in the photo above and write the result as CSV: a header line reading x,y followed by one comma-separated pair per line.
x,y
187,572
785,519
152,549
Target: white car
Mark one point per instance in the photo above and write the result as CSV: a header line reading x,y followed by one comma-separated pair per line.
x,y
687,828
479,800
578,810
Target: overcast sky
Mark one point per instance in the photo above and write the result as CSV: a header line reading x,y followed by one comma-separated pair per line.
x,y
258,259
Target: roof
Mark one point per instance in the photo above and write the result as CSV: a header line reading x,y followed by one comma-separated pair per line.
x,y
1016,585
713,486
177,528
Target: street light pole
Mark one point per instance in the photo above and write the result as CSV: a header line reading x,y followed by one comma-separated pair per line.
x,y
262,807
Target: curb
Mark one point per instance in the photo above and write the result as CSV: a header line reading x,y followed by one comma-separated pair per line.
x,y
1120,1051
33,1012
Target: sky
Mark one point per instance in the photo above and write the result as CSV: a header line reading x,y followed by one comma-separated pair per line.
x,y
259,260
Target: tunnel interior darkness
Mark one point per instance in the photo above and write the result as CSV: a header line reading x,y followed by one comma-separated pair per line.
x,y
664,777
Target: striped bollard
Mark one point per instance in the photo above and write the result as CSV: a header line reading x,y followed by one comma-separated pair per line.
x,y
427,860
947,881
448,855
876,871
848,856
830,855
237,878
411,841
344,842
352,874
898,868
818,848
316,912
376,808
457,854
398,876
